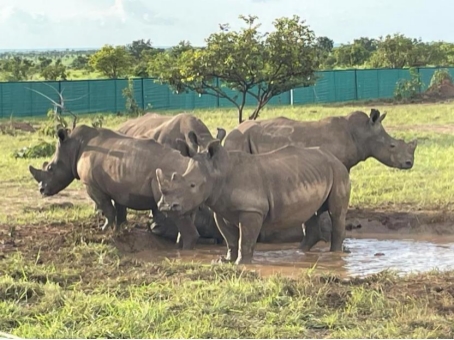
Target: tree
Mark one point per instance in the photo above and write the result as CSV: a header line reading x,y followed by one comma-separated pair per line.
x,y
56,71
80,62
393,51
369,44
138,46
113,62
18,68
324,46
351,55
249,62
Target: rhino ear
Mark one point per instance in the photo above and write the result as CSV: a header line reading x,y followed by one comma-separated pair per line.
x,y
62,135
374,115
213,147
380,119
45,164
221,134
184,148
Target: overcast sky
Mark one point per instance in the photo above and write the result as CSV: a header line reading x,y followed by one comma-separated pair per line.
x,y
93,23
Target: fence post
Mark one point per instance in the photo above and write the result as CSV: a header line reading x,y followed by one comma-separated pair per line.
x,y
217,95
291,97
419,76
59,91
115,96
143,96
88,95
356,85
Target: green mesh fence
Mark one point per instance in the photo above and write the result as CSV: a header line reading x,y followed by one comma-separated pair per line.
x,y
105,95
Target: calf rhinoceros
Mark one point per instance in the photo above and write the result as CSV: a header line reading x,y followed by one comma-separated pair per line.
x,y
167,130
352,139
249,193
114,167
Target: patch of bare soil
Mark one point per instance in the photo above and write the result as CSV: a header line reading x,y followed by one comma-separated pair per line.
x,y
48,240
22,126
365,221
19,200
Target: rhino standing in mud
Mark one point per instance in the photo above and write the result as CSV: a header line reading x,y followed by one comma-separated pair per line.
x,y
352,139
249,193
114,167
167,130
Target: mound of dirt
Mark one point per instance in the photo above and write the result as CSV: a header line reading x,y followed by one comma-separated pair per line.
x,y
445,90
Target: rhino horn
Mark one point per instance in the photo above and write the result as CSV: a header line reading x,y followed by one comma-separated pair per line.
x,y
36,173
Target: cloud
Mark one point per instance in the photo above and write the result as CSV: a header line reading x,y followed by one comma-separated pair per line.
x,y
90,23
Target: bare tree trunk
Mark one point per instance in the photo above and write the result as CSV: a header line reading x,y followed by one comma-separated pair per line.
x,y
240,115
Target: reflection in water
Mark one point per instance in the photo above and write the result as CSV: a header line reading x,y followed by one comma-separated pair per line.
x,y
400,255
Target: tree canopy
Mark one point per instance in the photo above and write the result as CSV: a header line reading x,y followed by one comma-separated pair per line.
x,y
112,62
252,63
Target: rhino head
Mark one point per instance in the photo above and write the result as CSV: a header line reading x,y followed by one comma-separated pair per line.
x,y
183,193
57,174
373,141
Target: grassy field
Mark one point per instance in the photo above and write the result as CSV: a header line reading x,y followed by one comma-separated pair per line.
x,y
61,278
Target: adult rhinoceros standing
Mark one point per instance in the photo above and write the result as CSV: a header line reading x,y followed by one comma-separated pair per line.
x,y
115,167
352,139
167,130
249,193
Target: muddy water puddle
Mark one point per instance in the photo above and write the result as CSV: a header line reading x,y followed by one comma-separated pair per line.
x,y
369,254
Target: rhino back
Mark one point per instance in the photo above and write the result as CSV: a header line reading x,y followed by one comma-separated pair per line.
x,y
123,167
331,134
143,125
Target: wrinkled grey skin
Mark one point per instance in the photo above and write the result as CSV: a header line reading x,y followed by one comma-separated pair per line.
x,y
249,193
352,139
114,167
167,130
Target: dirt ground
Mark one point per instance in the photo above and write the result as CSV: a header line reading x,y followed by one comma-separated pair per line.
x,y
48,240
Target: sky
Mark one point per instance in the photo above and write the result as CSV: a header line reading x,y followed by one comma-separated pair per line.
x,y
31,24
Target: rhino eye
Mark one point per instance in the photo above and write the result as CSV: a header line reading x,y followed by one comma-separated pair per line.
x,y
49,168
192,185
393,145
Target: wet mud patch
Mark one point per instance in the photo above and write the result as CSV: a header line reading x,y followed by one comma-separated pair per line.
x,y
368,221
404,242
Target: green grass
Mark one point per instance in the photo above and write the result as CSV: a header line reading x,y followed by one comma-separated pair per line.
x,y
64,280
92,292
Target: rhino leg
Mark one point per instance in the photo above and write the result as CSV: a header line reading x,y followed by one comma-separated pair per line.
x,y
121,214
325,226
250,226
231,235
312,233
187,230
104,203
338,206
